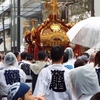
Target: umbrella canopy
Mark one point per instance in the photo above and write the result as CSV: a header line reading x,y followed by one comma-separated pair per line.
x,y
85,32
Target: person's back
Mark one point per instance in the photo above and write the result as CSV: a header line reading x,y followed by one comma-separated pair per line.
x,y
53,80
38,66
70,63
84,82
10,74
24,64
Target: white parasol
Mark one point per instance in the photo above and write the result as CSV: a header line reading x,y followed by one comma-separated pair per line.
x,y
85,32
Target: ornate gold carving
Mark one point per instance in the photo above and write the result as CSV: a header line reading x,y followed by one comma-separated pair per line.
x,y
55,27
52,7
51,31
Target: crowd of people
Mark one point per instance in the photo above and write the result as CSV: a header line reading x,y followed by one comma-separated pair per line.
x,y
61,76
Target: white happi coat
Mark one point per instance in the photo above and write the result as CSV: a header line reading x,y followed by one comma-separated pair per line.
x,y
29,77
44,82
8,76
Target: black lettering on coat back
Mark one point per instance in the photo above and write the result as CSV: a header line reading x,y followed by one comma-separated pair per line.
x,y
98,74
11,76
57,81
25,67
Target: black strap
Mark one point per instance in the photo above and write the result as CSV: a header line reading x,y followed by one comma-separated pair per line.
x,y
28,80
4,96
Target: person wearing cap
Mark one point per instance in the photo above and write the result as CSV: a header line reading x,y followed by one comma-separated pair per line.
x,y
21,91
10,74
84,58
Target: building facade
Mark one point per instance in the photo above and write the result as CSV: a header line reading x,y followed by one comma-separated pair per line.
x,y
5,20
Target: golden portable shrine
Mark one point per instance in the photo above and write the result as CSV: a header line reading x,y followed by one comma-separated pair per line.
x,y
50,33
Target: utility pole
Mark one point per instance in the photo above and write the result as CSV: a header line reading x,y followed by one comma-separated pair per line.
x,y
13,26
18,25
3,30
92,8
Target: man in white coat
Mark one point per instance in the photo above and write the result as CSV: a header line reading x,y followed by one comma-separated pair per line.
x,y
53,80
